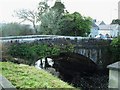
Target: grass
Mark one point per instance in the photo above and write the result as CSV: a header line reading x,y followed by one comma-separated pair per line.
x,y
23,76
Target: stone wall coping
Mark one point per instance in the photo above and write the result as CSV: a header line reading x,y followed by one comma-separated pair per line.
x,y
5,84
115,66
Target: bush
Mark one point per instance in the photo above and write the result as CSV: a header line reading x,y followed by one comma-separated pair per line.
x,y
115,49
33,52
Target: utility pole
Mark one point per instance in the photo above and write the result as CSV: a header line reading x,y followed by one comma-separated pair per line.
x,y
119,10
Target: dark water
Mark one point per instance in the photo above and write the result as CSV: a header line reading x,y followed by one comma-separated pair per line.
x,y
81,72
96,81
92,82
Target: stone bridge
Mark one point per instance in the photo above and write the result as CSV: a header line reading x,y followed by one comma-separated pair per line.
x,y
95,49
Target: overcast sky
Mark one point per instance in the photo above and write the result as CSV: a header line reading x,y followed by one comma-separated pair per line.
x,y
102,10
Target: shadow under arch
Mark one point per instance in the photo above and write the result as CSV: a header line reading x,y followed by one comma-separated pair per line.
x,y
71,65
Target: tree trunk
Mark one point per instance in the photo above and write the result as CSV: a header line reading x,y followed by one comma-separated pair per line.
x,y
35,29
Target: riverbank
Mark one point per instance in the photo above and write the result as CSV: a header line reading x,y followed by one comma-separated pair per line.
x,y
24,76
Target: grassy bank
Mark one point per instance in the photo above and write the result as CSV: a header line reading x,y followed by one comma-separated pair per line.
x,y
22,76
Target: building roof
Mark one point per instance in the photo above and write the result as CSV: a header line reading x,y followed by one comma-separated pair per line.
x,y
102,23
94,25
109,27
104,27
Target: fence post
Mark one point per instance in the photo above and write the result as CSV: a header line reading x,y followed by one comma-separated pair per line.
x,y
114,75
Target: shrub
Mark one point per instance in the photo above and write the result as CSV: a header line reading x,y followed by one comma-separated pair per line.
x,y
33,52
115,49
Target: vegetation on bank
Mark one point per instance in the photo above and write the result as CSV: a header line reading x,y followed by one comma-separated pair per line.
x,y
29,53
115,49
32,52
23,76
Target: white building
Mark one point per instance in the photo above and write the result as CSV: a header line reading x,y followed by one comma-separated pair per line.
x,y
100,28
94,30
112,30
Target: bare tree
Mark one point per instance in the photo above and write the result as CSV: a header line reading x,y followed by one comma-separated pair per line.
x,y
33,16
28,15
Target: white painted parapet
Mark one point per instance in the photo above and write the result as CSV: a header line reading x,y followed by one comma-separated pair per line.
x,y
114,75
5,84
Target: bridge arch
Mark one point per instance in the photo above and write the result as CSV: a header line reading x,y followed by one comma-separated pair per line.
x,y
74,61
74,68
70,65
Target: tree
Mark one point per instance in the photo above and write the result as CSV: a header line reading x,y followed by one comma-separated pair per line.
x,y
58,7
32,15
116,21
48,24
42,9
57,21
28,15
13,29
75,25
50,19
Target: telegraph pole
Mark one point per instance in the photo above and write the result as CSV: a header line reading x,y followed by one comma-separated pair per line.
x,y
119,10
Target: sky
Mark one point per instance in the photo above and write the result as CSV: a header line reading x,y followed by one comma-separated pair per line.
x,y
101,10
